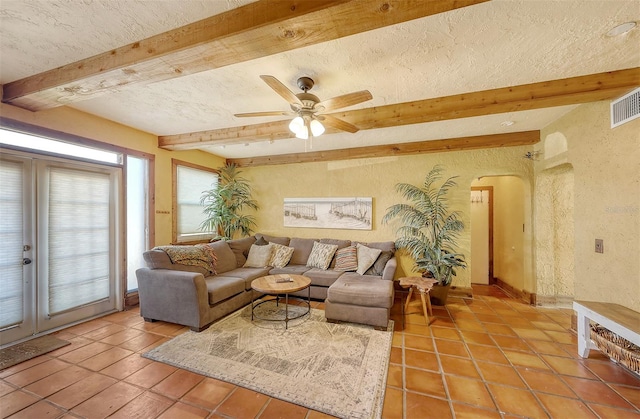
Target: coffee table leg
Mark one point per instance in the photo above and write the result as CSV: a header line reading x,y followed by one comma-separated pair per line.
x,y
252,291
286,311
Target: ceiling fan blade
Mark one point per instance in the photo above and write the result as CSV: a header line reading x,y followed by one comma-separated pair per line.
x,y
281,89
345,100
268,113
338,123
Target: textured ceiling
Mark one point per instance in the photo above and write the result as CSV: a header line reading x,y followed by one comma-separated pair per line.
x,y
490,45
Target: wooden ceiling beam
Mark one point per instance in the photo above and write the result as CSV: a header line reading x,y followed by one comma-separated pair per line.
x,y
436,146
548,94
570,91
255,30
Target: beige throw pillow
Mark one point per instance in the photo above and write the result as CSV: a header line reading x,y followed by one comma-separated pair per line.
x,y
259,256
366,257
321,255
281,255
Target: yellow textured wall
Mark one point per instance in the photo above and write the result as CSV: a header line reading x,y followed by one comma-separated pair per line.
x,y
600,171
85,125
376,178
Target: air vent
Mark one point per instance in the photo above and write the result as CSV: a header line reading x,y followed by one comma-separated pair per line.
x,y
626,108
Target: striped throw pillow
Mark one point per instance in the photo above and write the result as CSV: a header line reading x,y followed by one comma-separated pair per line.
x,y
346,259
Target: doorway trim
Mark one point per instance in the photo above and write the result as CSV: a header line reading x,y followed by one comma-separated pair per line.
x,y
492,280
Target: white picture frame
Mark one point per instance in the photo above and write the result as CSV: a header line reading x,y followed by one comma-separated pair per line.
x,y
352,213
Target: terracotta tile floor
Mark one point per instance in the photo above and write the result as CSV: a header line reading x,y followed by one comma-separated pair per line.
x,y
492,357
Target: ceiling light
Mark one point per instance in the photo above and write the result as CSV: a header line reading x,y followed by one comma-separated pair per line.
x,y
306,126
296,125
507,123
317,129
621,29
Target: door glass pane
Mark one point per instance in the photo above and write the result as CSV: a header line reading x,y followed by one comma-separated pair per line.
x,y
78,228
137,216
11,231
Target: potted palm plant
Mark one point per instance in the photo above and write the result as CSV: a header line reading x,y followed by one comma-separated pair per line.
x,y
429,230
224,205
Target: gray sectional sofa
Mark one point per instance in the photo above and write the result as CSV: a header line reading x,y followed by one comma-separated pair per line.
x,y
195,296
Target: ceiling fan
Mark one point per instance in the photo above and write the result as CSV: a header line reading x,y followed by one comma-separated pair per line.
x,y
309,110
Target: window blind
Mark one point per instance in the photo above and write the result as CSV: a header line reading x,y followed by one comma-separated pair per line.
x,y
191,183
78,228
11,231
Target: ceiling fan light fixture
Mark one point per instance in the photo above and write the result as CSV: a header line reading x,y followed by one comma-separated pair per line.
x,y
309,109
296,125
317,129
303,134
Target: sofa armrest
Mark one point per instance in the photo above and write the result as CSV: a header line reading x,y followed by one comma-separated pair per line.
x,y
390,269
173,296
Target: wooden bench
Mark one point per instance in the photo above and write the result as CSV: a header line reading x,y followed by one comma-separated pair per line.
x,y
618,319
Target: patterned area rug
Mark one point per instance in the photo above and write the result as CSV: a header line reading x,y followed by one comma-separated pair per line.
x,y
30,349
338,369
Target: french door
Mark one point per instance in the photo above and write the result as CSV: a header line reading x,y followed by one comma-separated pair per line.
x,y
58,250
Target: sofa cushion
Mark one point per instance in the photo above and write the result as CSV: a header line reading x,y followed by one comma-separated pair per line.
x,y
358,290
322,277
302,250
159,259
384,246
259,256
261,241
321,255
378,266
248,274
290,269
341,245
240,248
222,287
346,259
366,257
273,239
280,256
226,259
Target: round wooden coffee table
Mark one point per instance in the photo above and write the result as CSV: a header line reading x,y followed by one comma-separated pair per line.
x,y
280,285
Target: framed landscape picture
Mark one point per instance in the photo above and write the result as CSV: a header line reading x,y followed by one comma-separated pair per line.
x,y
345,213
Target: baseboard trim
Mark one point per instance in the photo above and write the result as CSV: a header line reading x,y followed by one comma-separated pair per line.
x,y
560,301
131,300
522,295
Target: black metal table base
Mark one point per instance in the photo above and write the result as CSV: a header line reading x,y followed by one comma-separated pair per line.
x,y
285,297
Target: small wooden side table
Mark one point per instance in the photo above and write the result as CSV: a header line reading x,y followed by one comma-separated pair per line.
x,y
423,285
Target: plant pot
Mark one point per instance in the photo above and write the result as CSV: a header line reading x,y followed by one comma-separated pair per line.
x,y
438,294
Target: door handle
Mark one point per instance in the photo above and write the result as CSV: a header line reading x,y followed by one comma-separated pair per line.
x,y
26,261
